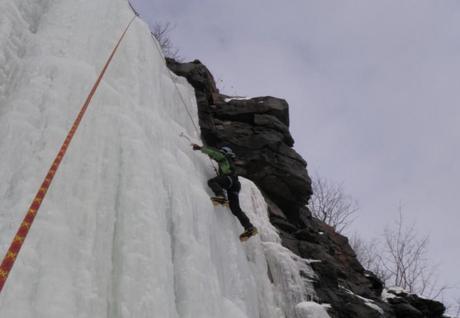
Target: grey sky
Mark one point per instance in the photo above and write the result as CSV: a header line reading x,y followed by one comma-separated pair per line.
x,y
373,88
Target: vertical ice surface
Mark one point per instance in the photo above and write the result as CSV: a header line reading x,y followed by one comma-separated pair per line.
x,y
291,275
127,228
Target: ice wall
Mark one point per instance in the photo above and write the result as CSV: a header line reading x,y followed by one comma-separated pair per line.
x,y
127,228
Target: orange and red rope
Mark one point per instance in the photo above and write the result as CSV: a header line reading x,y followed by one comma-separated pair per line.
x,y
18,241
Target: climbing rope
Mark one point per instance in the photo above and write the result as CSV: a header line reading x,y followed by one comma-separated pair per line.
x,y
178,92
184,103
172,79
169,72
191,118
18,241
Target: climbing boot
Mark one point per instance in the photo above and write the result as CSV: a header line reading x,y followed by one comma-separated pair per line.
x,y
219,200
248,233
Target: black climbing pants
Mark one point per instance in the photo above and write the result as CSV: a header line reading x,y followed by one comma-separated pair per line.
x,y
233,187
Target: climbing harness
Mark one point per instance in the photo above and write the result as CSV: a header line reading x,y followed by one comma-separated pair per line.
x,y
18,241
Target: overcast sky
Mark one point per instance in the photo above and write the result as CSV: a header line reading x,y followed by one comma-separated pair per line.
x,y
374,94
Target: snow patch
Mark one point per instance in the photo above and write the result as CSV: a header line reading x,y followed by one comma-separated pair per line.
x,y
229,99
393,292
397,290
368,302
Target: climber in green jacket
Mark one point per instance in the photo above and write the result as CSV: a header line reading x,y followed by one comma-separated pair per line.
x,y
227,181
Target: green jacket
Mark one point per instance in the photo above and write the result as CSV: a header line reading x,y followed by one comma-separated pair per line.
x,y
226,166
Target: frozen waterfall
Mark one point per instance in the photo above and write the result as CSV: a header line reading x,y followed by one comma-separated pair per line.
x,y
127,228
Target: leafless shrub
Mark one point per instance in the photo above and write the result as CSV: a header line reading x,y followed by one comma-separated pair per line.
x,y
369,255
330,204
405,259
457,309
400,259
160,32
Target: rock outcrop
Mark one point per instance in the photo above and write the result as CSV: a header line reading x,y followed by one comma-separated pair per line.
x,y
407,305
258,130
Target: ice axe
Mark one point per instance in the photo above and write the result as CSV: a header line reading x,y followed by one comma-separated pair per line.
x,y
183,135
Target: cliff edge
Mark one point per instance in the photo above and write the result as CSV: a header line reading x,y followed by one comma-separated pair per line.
x,y
258,131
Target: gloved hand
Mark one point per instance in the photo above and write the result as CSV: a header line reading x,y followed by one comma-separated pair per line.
x,y
196,147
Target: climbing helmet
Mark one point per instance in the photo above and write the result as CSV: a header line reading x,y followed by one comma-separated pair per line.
x,y
227,151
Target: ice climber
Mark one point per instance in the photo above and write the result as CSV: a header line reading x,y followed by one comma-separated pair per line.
x,y
227,181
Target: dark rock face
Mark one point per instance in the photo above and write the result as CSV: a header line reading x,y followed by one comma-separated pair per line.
x,y
342,280
258,131
411,306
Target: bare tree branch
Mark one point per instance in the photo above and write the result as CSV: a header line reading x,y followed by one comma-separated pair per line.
x,y
406,260
161,33
330,204
368,254
400,259
457,312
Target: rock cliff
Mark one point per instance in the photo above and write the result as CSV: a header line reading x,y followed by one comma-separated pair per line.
x,y
258,131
